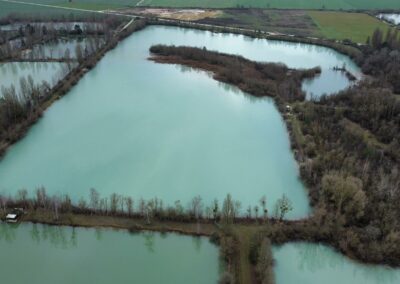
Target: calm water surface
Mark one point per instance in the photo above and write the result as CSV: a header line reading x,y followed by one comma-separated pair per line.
x,y
144,129
303,263
11,73
49,254
57,49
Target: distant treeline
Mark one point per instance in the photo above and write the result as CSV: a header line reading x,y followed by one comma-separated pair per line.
x,y
382,58
227,211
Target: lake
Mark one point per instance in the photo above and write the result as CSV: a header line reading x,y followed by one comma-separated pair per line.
x,y
148,130
39,254
298,263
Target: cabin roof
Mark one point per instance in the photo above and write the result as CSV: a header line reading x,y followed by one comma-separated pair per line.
x,y
11,216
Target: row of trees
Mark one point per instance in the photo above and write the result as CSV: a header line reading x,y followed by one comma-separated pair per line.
x,y
118,205
382,57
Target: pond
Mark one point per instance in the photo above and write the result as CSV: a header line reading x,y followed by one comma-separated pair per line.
x,y
148,130
53,25
316,263
57,49
11,73
39,254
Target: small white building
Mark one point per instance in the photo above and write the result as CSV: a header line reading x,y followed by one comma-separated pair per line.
x,y
12,218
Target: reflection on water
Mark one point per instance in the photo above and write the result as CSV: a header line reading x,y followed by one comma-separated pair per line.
x,y
148,130
102,256
12,73
316,263
157,131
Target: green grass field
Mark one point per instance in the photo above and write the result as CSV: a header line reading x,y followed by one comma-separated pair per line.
x,y
354,26
279,4
7,8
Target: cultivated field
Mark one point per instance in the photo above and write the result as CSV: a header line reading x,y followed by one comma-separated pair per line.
x,y
280,21
355,26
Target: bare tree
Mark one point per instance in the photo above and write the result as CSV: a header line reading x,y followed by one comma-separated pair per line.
x,y
41,197
56,204
129,205
228,210
215,209
282,207
79,53
22,195
196,207
114,202
263,203
94,199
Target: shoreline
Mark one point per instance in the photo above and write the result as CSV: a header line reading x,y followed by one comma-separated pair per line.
x,y
292,227
18,131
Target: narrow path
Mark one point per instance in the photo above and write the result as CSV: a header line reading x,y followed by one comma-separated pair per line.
x,y
139,3
127,25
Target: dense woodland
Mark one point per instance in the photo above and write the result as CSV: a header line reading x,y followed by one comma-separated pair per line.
x,y
348,147
382,57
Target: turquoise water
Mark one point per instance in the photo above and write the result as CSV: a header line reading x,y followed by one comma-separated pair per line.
x,y
148,130
38,254
304,263
11,73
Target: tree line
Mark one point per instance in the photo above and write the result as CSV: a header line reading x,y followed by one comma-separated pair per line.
x,y
382,57
227,211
